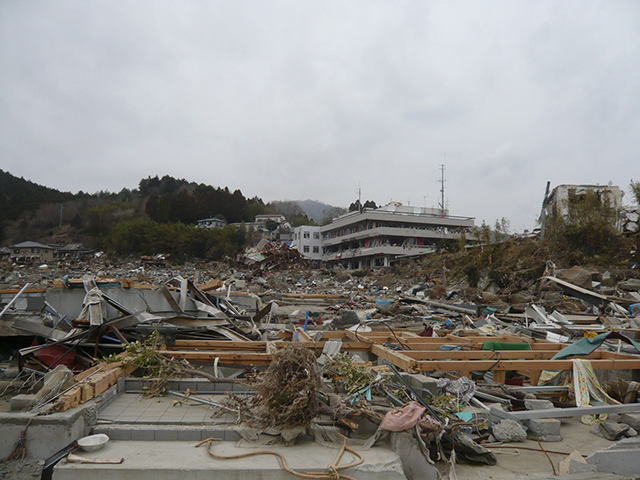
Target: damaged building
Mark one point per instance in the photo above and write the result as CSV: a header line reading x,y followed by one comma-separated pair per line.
x,y
562,197
375,237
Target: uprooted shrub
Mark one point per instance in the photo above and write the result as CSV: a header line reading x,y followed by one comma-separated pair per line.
x,y
288,392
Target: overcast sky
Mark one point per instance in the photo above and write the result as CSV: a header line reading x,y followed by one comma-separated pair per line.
x,y
297,99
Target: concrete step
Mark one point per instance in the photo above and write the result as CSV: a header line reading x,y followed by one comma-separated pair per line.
x,y
167,433
158,460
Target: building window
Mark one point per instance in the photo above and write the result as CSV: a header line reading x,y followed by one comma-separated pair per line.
x,y
316,249
306,234
305,249
316,235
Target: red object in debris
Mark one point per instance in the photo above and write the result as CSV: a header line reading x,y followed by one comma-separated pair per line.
x,y
55,355
518,381
427,332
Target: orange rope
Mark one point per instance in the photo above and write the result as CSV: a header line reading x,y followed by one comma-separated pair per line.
x,y
331,474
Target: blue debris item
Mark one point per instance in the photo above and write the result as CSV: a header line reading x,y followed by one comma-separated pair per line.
x,y
489,311
585,346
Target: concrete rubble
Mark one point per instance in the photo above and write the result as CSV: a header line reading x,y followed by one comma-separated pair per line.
x,y
161,358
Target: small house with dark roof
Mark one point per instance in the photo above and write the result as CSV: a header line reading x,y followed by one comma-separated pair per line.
x,y
74,250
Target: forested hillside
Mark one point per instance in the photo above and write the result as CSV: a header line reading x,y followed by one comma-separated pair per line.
x,y
157,217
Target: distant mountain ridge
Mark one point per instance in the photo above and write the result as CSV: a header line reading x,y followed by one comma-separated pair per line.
x,y
18,195
29,211
315,210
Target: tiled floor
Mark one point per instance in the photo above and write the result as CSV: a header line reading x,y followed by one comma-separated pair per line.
x,y
134,408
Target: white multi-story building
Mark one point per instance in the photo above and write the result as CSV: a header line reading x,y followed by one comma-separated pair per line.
x,y
373,238
308,241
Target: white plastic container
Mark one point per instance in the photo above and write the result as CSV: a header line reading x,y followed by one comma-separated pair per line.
x,y
93,442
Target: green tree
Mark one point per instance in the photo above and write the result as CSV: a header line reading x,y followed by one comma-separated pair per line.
x,y
635,191
588,226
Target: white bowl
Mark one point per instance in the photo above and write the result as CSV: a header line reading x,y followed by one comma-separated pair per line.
x,y
93,442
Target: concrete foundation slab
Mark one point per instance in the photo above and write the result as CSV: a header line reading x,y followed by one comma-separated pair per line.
x,y
621,458
177,460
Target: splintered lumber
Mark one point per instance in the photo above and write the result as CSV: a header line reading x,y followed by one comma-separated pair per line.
x,y
225,358
93,382
260,346
423,354
531,363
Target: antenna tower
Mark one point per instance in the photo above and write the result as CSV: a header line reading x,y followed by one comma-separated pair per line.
x,y
442,180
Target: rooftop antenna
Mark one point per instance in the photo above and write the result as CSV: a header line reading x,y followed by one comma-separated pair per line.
x,y
442,180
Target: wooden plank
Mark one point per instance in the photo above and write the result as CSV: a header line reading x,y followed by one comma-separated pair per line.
x,y
499,376
396,358
504,354
315,295
28,290
237,358
257,346
456,365
303,336
478,354
219,344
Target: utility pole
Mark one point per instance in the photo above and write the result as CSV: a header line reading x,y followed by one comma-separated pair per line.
x,y
61,209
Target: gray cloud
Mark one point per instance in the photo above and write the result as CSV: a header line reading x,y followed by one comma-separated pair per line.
x,y
310,100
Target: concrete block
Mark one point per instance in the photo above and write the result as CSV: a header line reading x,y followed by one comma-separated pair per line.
x,y
509,431
422,382
547,429
631,419
114,433
23,402
538,404
223,387
166,435
613,430
133,385
565,466
190,435
407,377
231,436
142,435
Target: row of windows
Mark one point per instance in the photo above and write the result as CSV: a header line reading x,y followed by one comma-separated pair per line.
x,y
316,235
33,250
316,249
